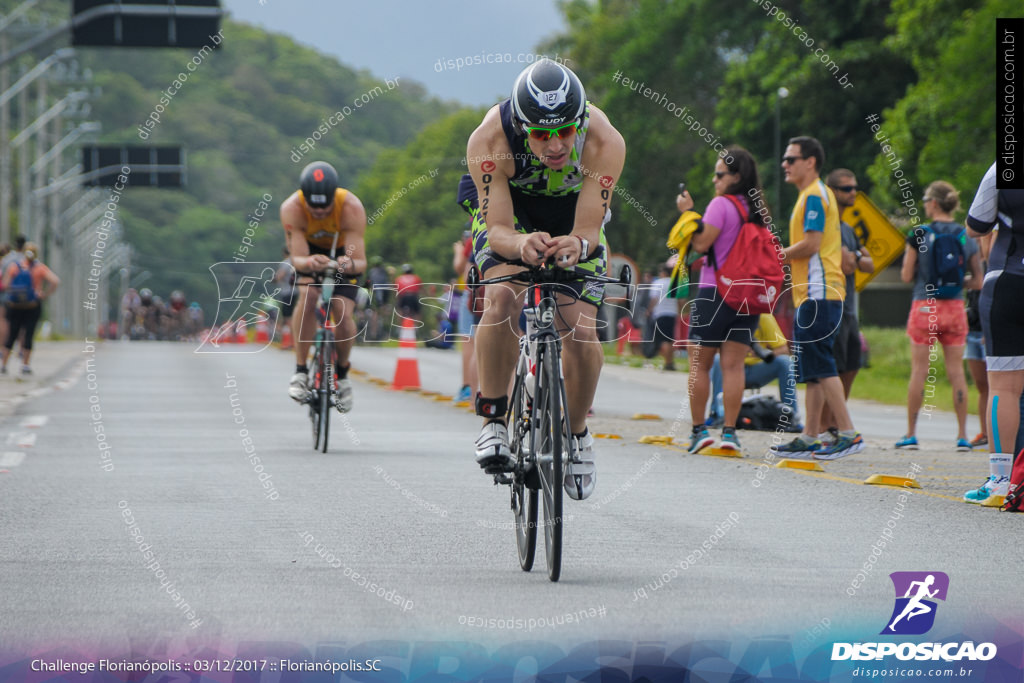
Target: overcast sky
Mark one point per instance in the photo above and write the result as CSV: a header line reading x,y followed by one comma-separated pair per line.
x,y
415,39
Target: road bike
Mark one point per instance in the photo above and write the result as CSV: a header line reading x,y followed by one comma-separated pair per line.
x,y
540,439
323,380
323,389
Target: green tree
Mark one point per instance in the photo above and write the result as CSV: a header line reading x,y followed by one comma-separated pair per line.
x,y
422,220
942,128
241,117
726,67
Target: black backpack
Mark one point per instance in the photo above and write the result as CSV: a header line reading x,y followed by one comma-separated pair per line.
x,y
761,413
949,264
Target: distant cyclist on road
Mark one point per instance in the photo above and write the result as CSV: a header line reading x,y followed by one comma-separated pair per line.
x,y
544,164
408,299
312,217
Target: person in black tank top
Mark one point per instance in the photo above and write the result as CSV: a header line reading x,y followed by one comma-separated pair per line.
x,y
1002,322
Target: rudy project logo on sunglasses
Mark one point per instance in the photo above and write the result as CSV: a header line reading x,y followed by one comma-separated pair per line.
x,y
916,593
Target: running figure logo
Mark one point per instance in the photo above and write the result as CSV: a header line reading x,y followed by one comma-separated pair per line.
x,y
248,295
914,612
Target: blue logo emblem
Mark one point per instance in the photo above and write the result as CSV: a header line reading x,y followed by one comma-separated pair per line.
x,y
916,593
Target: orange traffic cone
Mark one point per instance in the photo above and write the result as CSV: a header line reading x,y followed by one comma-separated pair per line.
x,y
240,336
407,372
262,331
286,337
226,333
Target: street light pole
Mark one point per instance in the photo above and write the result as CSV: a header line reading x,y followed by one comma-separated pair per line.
x,y
5,150
35,228
780,95
23,182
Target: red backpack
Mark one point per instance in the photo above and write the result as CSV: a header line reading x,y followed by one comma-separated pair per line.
x,y
750,280
1015,497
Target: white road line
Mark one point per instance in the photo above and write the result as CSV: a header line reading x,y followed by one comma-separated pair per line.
x,y
11,458
34,421
21,439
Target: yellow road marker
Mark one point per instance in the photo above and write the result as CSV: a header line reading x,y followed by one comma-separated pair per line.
x,y
793,464
889,480
720,452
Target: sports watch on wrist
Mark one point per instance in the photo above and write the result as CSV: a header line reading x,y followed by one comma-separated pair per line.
x,y
584,247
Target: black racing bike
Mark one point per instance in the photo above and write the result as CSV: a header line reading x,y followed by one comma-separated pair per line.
x,y
323,388
540,439
323,381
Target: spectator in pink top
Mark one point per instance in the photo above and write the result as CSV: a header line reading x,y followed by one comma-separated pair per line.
x,y
713,325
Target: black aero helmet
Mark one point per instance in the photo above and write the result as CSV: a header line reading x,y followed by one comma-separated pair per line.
x,y
318,183
548,94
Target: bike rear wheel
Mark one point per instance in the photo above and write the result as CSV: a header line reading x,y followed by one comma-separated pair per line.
x,y
524,498
550,456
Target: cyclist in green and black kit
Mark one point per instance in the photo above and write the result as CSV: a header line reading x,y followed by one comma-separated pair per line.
x,y
543,165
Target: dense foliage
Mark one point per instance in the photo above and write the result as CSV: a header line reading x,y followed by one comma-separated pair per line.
x,y
926,69
241,116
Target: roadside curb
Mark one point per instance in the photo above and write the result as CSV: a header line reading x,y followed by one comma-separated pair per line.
x,y
14,392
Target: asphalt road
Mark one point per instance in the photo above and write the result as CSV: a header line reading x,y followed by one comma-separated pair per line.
x,y
395,533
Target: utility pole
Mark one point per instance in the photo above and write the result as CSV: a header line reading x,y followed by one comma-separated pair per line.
x,y
5,150
5,121
23,209
38,216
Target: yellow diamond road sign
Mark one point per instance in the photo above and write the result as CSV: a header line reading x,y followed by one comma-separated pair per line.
x,y
879,237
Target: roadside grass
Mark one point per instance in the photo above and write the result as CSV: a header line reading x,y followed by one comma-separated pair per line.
x,y
887,377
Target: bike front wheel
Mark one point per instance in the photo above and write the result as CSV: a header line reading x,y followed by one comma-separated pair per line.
x,y
551,455
327,386
313,400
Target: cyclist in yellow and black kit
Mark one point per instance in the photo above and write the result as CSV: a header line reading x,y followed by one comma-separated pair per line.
x,y
317,214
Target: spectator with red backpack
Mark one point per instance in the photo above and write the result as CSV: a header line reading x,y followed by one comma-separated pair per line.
x,y
26,284
714,324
